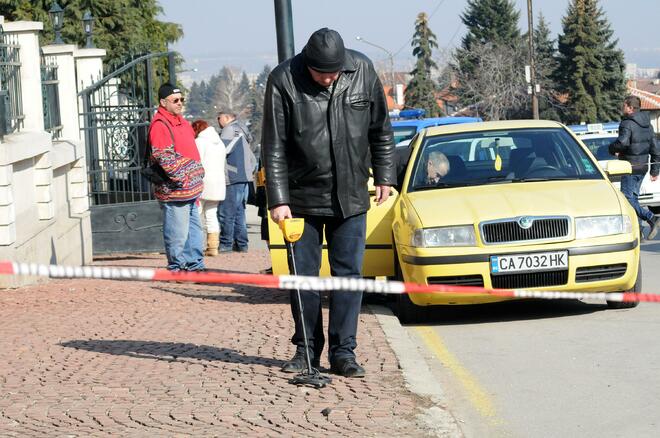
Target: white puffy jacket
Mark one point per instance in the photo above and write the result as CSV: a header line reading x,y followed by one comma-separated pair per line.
x,y
212,151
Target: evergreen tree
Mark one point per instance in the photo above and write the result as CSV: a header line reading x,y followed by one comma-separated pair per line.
x,y
257,92
488,22
121,27
195,101
590,67
244,85
492,33
421,90
546,64
614,86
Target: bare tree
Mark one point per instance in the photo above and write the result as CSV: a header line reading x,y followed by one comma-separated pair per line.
x,y
230,92
495,85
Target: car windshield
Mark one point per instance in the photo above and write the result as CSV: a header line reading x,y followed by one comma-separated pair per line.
x,y
599,147
503,156
402,133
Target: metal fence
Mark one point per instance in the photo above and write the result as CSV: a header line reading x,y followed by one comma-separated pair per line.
x,y
11,104
50,96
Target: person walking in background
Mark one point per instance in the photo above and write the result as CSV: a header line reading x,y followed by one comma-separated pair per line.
x,y
241,164
173,147
325,114
636,141
212,151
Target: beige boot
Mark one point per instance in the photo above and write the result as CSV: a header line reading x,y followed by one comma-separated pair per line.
x,y
212,242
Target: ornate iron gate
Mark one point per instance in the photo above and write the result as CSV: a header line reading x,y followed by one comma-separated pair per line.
x,y
116,112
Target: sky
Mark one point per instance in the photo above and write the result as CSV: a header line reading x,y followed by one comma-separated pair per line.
x,y
241,33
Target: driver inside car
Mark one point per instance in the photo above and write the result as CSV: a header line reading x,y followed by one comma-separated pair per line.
x,y
437,167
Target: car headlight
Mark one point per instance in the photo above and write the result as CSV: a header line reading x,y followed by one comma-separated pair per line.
x,y
445,236
595,226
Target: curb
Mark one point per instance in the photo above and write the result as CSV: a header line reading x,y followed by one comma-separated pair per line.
x,y
417,375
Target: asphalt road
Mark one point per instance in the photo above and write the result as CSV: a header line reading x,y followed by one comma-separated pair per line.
x,y
550,368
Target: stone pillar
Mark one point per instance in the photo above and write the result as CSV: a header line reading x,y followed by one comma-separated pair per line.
x,y
66,75
43,180
27,34
89,66
78,197
7,210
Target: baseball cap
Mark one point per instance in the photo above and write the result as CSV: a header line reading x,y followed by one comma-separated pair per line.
x,y
167,89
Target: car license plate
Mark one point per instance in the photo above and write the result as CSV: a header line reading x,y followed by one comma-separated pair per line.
x,y
542,261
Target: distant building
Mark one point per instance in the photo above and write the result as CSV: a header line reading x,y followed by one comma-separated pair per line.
x,y
447,100
635,72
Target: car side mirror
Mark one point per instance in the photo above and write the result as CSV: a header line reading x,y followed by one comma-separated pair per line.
x,y
617,167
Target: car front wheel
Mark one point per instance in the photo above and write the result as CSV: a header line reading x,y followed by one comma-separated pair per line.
x,y
637,288
407,311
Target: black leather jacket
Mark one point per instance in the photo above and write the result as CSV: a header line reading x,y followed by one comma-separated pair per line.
x,y
635,142
317,146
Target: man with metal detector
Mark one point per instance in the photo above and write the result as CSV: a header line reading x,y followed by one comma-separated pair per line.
x,y
325,123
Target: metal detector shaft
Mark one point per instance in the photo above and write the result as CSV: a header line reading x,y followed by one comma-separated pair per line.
x,y
292,229
300,308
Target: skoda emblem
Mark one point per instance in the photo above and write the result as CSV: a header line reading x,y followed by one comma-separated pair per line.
x,y
525,222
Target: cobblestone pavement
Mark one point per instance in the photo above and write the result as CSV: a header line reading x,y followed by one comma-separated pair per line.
x,y
86,357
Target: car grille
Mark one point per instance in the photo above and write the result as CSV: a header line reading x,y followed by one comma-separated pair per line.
x,y
599,273
465,280
511,231
529,279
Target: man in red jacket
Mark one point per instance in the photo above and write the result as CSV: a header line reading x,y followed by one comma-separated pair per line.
x,y
173,146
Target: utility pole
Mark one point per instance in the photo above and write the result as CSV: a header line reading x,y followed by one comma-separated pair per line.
x,y
530,43
391,58
284,30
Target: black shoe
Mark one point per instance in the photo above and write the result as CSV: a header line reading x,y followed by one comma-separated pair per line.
x,y
298,363
347,367
237,248
654,223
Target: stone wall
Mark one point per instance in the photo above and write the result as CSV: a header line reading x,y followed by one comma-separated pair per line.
x,y
44,207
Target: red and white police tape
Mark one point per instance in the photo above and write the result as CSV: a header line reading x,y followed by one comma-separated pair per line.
x,y
300,282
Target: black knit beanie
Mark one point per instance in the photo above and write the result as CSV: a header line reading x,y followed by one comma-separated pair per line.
x,y
325,51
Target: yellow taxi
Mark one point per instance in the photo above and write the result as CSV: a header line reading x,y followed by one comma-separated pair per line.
x,y
514,205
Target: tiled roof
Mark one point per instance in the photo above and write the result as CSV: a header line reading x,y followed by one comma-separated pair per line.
x,y
650,101
648,85
442,96
389,95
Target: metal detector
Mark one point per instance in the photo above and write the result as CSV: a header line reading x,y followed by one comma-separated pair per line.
x,y
292,230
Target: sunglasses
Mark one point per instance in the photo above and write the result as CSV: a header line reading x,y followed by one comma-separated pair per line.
x,y
178,99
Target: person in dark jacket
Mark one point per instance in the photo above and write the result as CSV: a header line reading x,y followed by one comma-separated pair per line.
x,y
325,123
240,167
635,143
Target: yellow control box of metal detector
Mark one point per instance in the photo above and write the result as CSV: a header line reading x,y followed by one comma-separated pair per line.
x,y
292,228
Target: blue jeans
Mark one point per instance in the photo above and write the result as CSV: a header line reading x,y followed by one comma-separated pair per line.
x,y
346,239
630,185
231,215
183,236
